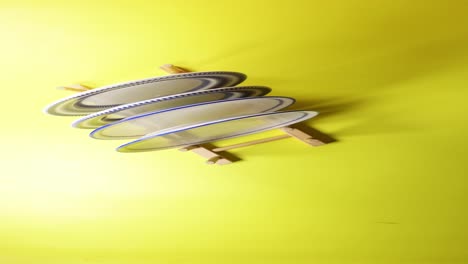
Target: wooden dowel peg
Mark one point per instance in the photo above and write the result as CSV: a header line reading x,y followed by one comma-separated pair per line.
x,y
172,69
314,142
75,88
303,136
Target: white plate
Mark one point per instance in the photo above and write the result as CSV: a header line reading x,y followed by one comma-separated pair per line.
x,y
216,130
129,92
140,125
157,104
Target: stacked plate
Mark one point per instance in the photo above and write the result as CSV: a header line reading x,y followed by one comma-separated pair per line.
x,y
177,110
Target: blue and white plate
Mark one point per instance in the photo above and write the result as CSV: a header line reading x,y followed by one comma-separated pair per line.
x,y
140,125
215,130
129,92
114,114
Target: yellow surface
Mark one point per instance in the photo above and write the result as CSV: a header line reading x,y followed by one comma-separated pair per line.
x,y
389,78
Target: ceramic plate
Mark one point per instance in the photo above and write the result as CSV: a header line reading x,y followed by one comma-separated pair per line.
x,y
216,130
140,125
129,92
157,104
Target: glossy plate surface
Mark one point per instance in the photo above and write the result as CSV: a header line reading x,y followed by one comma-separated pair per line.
x,y
140,125
129,92
114,114
216,130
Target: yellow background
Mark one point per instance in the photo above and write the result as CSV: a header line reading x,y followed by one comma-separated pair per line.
x,y
389,78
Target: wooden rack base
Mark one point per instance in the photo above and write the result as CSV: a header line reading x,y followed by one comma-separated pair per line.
x,y
219,156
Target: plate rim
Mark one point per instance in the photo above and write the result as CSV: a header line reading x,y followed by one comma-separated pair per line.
x,y
169,97
126,84
282,98
156,134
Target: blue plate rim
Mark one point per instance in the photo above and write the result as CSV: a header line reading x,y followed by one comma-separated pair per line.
x,y
282,98
153,135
